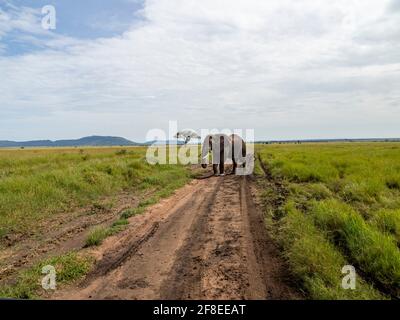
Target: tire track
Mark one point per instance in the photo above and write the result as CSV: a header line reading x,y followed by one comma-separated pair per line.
x,y
207,241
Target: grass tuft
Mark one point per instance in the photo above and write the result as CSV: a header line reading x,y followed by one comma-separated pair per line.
x,y
69,268
96,236
388,221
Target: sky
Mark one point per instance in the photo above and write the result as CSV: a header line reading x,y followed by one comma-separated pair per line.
x,y
289,69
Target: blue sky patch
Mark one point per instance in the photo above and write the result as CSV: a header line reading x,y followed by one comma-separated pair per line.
x,y
89,19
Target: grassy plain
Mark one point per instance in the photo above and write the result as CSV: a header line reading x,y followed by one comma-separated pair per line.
x,y
338,204
38,183
327,206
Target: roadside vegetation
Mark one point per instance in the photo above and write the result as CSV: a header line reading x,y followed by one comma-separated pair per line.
x,y
69,268
331,205
38,183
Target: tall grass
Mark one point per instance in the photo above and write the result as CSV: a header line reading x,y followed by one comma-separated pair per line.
x,y
388,221
35,184
315,260
342,198
374,252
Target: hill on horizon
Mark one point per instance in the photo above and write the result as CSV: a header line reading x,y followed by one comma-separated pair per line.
x,y
94,141
91,141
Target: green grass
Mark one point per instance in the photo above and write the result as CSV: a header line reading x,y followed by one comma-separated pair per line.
x,y
120,223
374,252
98,234
342,205
69,268
132,212
36,184
315,261
388,221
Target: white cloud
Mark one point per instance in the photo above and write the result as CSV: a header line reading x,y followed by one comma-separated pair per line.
x,y
289,69
21,19
394,6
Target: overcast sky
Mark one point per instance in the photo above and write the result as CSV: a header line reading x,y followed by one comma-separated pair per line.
x,y
290,69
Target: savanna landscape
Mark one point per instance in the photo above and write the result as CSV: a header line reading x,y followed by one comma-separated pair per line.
x,y
199,159
116,227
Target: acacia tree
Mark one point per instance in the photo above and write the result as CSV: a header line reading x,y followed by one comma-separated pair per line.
x,y
187,135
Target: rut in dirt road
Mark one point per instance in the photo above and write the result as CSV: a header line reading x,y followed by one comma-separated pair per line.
x,y
208,241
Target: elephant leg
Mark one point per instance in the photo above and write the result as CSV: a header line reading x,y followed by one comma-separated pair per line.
x,y
215,168
234,166
222,164
244,154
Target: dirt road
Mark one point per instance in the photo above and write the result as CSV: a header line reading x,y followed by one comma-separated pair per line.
x,y
207,241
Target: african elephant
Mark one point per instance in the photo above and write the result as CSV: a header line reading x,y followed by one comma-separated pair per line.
x,y
223,147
